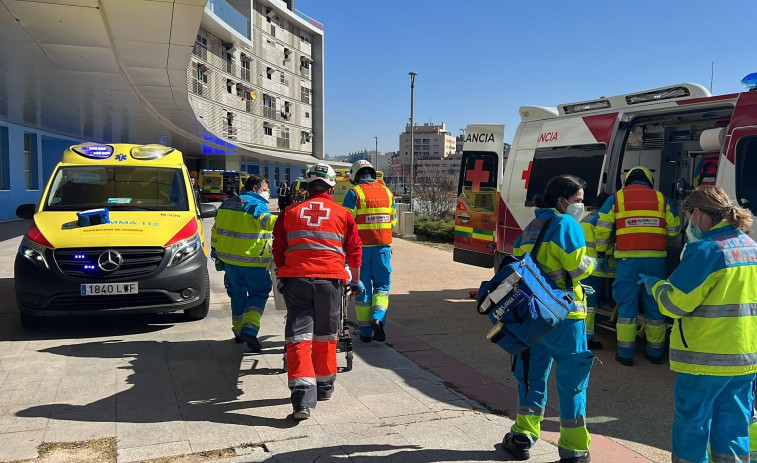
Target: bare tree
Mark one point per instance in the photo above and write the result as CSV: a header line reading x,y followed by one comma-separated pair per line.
x,y
435,193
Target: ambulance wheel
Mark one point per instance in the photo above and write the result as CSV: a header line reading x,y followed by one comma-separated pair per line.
x,y
349,361
31,321
201,311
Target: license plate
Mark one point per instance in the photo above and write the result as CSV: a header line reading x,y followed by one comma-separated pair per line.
x,y
109,289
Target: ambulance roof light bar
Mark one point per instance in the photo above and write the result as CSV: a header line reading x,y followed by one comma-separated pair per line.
x,y
750,81
93,150
586,106
658,95
150,152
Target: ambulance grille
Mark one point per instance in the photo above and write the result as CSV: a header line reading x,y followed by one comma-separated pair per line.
x,y
95,303
82,263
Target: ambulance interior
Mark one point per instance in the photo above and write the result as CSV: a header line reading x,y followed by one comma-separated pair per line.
x,y
682,152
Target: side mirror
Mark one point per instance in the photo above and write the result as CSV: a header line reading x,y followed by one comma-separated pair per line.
x,y
26,211
207,211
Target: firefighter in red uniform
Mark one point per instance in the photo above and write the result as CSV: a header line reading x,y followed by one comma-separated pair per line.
x,y
310,245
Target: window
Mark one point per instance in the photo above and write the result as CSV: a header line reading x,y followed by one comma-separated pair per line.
x,y
269,106
5,178
287,173
425,140
276,176
245,69
305,67
307,115
269,73
202,74
267,129
201,47
583,161
746,172
229,84
478,180
305,95
302,173
282,78
436,147
282,140
304,137
30,161
265,172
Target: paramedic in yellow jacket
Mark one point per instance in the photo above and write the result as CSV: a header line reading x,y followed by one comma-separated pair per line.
x,y
241,238
562,255
597,279
642,220
372,206
712,297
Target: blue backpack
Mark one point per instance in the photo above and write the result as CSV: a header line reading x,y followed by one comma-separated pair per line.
x,y
523,302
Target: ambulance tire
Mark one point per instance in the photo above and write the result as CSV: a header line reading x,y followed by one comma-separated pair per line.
x,y
31,321
201,311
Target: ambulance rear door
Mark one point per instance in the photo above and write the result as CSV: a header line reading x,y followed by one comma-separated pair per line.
x,y
481,171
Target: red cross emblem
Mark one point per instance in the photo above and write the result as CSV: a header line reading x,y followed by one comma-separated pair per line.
x,y
526,175
478,176
315,213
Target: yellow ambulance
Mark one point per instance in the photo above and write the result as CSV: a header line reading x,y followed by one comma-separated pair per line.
x,y
117,230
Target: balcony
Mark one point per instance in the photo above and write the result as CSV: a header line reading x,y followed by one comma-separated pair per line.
x,y
230,16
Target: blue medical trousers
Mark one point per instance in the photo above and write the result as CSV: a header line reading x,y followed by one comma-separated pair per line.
x,y
376,275
248,289
625,291
714,410
566,345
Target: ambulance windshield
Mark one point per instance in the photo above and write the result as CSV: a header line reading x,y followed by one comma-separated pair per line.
x,y
78,188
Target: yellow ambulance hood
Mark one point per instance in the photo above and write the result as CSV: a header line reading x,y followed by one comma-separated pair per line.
x,y
126,228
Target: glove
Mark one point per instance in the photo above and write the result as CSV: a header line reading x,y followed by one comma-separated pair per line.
x,y
603,265
648,281
357,288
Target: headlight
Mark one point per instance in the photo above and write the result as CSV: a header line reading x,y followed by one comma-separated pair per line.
x,y
184,249
34,252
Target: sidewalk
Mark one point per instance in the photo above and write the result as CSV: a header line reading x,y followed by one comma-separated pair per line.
x,y
166,387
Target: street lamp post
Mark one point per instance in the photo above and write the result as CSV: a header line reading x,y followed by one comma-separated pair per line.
x,y
412,141
375,164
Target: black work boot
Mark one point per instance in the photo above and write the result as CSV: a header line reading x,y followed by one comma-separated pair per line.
x,y
624,361
378,331
301,413
517,445
582,459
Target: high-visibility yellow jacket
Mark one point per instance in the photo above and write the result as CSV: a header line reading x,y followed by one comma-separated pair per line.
x,y
241,234
588,224
641,218
561,253
712,296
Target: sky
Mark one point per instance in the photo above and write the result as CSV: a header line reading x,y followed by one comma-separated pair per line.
x,y
478,61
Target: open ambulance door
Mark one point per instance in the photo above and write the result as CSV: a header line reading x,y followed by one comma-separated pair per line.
x,y
481,171
742,183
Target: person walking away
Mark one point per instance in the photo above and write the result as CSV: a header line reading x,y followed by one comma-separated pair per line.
x,y
641,219
596,281
283,196
372,205
563,256
311,242
195,190
241,239
712,297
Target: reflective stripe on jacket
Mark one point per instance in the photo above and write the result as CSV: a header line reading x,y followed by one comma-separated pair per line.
x,y
642,219
372,206
562,252
241,234
588,224
712,296
316,236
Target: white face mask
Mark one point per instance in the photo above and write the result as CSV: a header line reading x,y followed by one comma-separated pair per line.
x,y
265,194
575,210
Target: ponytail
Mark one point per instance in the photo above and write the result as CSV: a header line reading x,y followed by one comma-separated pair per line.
x,y
714,202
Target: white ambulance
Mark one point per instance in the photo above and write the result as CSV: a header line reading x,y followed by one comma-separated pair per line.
x,y
684,135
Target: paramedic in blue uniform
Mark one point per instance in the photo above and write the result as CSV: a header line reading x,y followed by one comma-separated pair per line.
x,y
712,297
561,254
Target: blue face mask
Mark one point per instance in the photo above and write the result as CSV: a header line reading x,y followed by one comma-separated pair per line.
x,y
693,232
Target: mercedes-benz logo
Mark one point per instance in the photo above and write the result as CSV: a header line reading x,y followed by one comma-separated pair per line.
x,y
110,260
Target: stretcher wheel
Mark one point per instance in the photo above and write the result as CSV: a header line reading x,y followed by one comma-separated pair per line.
x,y
349,361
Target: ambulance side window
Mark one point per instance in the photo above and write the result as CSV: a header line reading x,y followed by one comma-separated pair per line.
x,y
584,161
746,172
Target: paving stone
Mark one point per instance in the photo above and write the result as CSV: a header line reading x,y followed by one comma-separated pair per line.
x,y
20,445
147,452
81,425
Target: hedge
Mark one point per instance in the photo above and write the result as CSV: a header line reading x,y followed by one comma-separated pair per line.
x,y
434,230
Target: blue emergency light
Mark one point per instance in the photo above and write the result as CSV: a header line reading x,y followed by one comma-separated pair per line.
x,y
750,81
93,150
93,217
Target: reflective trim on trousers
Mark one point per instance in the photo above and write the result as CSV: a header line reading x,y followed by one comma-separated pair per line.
x,y
323,379
530,411
299,338
301,381
677,459
626,321
716,457
325,338
573,423
630,345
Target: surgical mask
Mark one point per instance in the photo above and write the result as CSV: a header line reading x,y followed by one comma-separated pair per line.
x,y
693,233
575,210
265,194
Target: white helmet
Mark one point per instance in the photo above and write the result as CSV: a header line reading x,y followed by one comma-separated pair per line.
x,y
358,166
323,172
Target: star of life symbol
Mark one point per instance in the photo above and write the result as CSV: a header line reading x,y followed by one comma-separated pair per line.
x,y
120,157
315,213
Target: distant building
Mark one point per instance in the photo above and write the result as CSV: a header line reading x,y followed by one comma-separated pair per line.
x,y
433,153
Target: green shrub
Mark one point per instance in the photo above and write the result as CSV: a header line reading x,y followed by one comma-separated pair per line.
x,y
434,230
